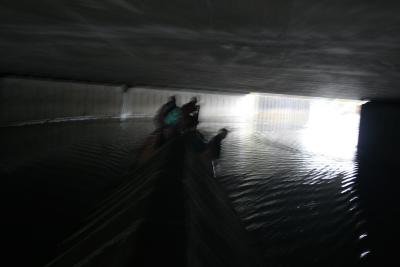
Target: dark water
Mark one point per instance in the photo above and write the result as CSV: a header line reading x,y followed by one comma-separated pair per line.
x,y
54,175
302,208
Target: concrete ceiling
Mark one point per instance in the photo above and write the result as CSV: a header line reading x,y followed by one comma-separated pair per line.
x,y
335,48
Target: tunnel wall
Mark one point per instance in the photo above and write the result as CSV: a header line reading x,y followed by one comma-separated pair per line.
x,y
270,109
28,101
378,149
379,141
378,176
278,111
144,102
31,100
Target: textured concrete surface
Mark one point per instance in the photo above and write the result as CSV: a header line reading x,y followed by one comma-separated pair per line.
x,y
26,101
144,102
29,100
344,49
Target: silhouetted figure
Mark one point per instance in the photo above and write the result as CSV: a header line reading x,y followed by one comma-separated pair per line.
x,y
209,149
214,145
164,111
168,122
172,123
190,114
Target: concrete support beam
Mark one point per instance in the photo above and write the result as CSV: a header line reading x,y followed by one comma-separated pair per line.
x,y
379,177
379,140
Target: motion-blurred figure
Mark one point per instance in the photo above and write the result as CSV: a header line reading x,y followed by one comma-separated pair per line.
x,y
208,149
173,121
214,145
190,114
164,111
168,121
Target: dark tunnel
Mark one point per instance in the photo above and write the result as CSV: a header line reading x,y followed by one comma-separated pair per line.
x,y
199,133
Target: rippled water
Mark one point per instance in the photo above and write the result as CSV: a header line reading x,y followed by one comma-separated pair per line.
x,y
54,175
302,208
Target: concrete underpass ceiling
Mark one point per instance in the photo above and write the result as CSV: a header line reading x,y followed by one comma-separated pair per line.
x,y
341,48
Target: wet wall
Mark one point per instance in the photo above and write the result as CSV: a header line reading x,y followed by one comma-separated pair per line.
x,y
31,100
144,102
378,156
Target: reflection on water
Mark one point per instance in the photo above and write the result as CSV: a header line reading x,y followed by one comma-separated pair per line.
x,y
303,209
287,167
291,175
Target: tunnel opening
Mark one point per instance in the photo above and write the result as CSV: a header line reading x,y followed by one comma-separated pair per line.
x,y
324,126
306,181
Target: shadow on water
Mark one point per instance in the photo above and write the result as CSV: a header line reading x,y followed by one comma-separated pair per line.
x,y
147,221
170,211
54,175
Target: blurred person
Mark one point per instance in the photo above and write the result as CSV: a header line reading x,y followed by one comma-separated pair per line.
x,y
210,150
168,122
190,114
165,109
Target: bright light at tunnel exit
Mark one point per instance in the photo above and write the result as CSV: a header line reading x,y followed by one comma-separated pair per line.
x,y
332,128
245,107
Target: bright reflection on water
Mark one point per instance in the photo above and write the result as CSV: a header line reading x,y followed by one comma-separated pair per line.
x,y
288,167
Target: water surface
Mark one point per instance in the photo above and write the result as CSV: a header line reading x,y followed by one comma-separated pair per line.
x,y
300,205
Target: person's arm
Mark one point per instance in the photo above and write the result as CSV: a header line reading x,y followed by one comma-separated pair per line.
x,y
214,145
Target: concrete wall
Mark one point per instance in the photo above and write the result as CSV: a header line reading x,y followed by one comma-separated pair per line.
x,y
378,176
144,102
24,101
261,108
379,140
278,111
30,100
34,101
